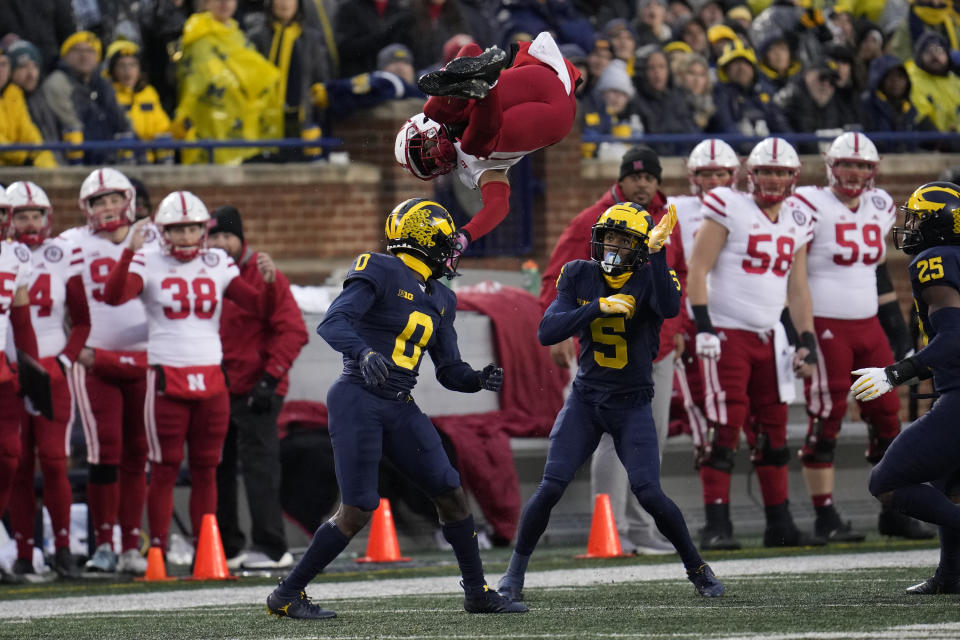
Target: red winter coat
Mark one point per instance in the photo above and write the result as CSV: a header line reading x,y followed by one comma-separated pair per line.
x,y
253,345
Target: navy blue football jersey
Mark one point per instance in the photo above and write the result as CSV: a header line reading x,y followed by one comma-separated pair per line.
x,y
616,353
931,267
405,318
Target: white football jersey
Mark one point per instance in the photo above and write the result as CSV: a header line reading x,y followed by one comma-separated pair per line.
x,y
689,217
120,328
747,287
14,273
183,302
54,262
846,248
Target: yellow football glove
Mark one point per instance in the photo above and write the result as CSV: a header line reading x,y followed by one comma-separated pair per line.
x,y
619,304
663,230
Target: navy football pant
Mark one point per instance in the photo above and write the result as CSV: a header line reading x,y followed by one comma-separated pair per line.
x,y
574,437
365,428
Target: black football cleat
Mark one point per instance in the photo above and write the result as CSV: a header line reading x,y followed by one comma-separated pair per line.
x,y
717,540
300,608
64,564
782,532
487,600
510,591
833,529
934,585
451,79
900,525
705,582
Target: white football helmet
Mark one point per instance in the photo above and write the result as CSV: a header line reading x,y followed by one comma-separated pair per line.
x,y
852,146
4,213
181,207
772,153
712,154
424,148
27,195
101,182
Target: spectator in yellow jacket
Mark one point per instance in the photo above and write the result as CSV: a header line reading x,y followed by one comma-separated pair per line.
x,y
935,90
139,99
16,127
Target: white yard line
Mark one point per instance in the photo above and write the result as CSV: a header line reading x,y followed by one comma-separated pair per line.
x,y
925,560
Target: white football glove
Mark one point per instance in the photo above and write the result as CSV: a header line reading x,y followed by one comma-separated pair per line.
x,y
871,384
708,345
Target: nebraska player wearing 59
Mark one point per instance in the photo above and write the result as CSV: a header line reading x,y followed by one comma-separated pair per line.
x,y
182,288
56,287
482,118
846,272
748,259
110,384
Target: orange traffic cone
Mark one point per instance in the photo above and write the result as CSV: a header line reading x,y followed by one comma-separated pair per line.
x,y
210,562
604,541
382,545
156,569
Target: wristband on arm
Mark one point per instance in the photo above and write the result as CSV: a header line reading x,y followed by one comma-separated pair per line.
x,y
808,340
701,317
791,331
906,370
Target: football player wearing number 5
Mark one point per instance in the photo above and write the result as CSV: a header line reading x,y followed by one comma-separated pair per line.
x,y
110,383
918,475
56,288
615,304
182,287
854,305
748,260
391,310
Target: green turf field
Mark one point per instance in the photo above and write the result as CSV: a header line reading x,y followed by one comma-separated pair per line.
x,y
851,592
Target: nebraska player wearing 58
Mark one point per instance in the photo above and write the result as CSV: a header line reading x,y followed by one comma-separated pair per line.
x,y
110,383
182,288
854,305
56,287
748,259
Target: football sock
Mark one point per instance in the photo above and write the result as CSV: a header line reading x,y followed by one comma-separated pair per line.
x,y
462,536
328,542
716,485
822,501
517,569
163,477
670,522
928,504
133,495
22,506
102,500
949,552
57,497
536,515
203,495
773,483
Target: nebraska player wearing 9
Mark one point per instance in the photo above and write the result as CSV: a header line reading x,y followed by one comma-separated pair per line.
x,y
182,288
748,260
55,288
854,305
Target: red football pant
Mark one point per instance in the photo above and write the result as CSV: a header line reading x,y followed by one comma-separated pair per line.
x,y
9,437
202,425
845,345
741,393
528,109
50,441
111,412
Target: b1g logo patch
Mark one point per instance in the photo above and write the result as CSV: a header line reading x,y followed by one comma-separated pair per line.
x,y
53,254
211,259
799,216
22,253
878,202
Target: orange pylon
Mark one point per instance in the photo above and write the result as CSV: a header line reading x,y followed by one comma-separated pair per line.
x,y
604,541
210,562
156,569
382,545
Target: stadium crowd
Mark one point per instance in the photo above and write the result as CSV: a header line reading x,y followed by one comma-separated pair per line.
x,y
187,70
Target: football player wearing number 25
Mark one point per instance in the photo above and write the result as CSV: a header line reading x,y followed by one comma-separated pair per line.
x,y
182,287
390,311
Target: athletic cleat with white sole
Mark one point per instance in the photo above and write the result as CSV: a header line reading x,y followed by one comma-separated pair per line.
x,y
132,561
705,582
934,585
104,560
487,600
260,560
300,608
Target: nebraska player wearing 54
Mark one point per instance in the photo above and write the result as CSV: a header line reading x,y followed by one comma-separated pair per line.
x,y
110,384
848,278
182,288
748,260
56,287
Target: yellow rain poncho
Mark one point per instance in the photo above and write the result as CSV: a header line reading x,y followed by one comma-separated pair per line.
x,y
226,89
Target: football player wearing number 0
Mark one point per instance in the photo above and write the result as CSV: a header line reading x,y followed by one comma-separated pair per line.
x,y
748,260
918,474
854,306
182,287
391,310
56,288
110,383
615,304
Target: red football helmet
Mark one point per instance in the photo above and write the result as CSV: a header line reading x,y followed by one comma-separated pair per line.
x,y
102,182
424,148
23,196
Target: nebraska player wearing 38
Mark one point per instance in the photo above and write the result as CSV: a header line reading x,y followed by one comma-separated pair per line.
x,y
56,287
748,260
182,288
110,383
854,305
